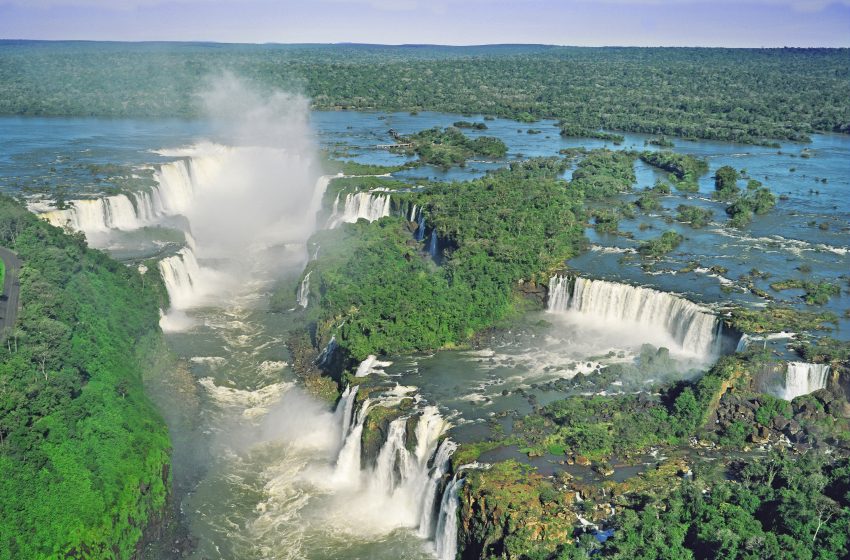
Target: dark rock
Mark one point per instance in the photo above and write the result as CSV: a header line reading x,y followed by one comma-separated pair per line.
x,y
779,422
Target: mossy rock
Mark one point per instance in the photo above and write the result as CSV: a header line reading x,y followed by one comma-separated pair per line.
x,y
375,429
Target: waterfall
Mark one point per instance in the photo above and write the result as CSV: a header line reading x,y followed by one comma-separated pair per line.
x,y
802,378
693,327
304,291
345,409
362,205
445,541
176,185
180,273
392,455
403,474
348,470
327,353
172,195
416,215
442,461
432,246
559,294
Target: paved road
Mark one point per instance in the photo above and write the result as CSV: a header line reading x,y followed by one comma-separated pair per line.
x,y
11,291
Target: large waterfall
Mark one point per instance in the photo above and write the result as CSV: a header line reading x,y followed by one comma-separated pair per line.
x,y
445,541
181,275
802,378
414,475
695,329
362,205
172,195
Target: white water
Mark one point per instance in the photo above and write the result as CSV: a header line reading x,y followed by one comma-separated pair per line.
x,y
429,497
409,480
371,365
345,409
181,274
347,472
432,245
802,378
362,205
172,195
304,291
445,541
694,329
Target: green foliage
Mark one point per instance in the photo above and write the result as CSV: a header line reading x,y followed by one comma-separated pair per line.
x,y
779,507
606,220
774,318
661,245
725,94
602,173
726,183
450,146
685,168
824,350
694,215
816,293
83,453
570,130
754,202
662,142
472,125
380,294
771,407
648,202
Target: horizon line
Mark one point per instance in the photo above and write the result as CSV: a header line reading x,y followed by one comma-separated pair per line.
x,y
409,45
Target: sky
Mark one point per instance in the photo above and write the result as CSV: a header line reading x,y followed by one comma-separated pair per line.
x,y
727,23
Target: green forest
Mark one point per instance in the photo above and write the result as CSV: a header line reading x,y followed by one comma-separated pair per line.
x,y
390,296
83,452
751,96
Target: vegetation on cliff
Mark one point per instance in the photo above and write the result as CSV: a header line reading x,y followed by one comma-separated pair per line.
x,y
380,292
84,454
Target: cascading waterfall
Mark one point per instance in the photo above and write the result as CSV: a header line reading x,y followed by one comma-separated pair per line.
x,y
392,456
401,473
445,541
171,195
181,272
418,216
694,328
362,205
559,294
802,378
303,297
345,408
347,472
442,462
432,246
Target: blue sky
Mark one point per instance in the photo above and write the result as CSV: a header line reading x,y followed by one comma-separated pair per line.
x,y
732,23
